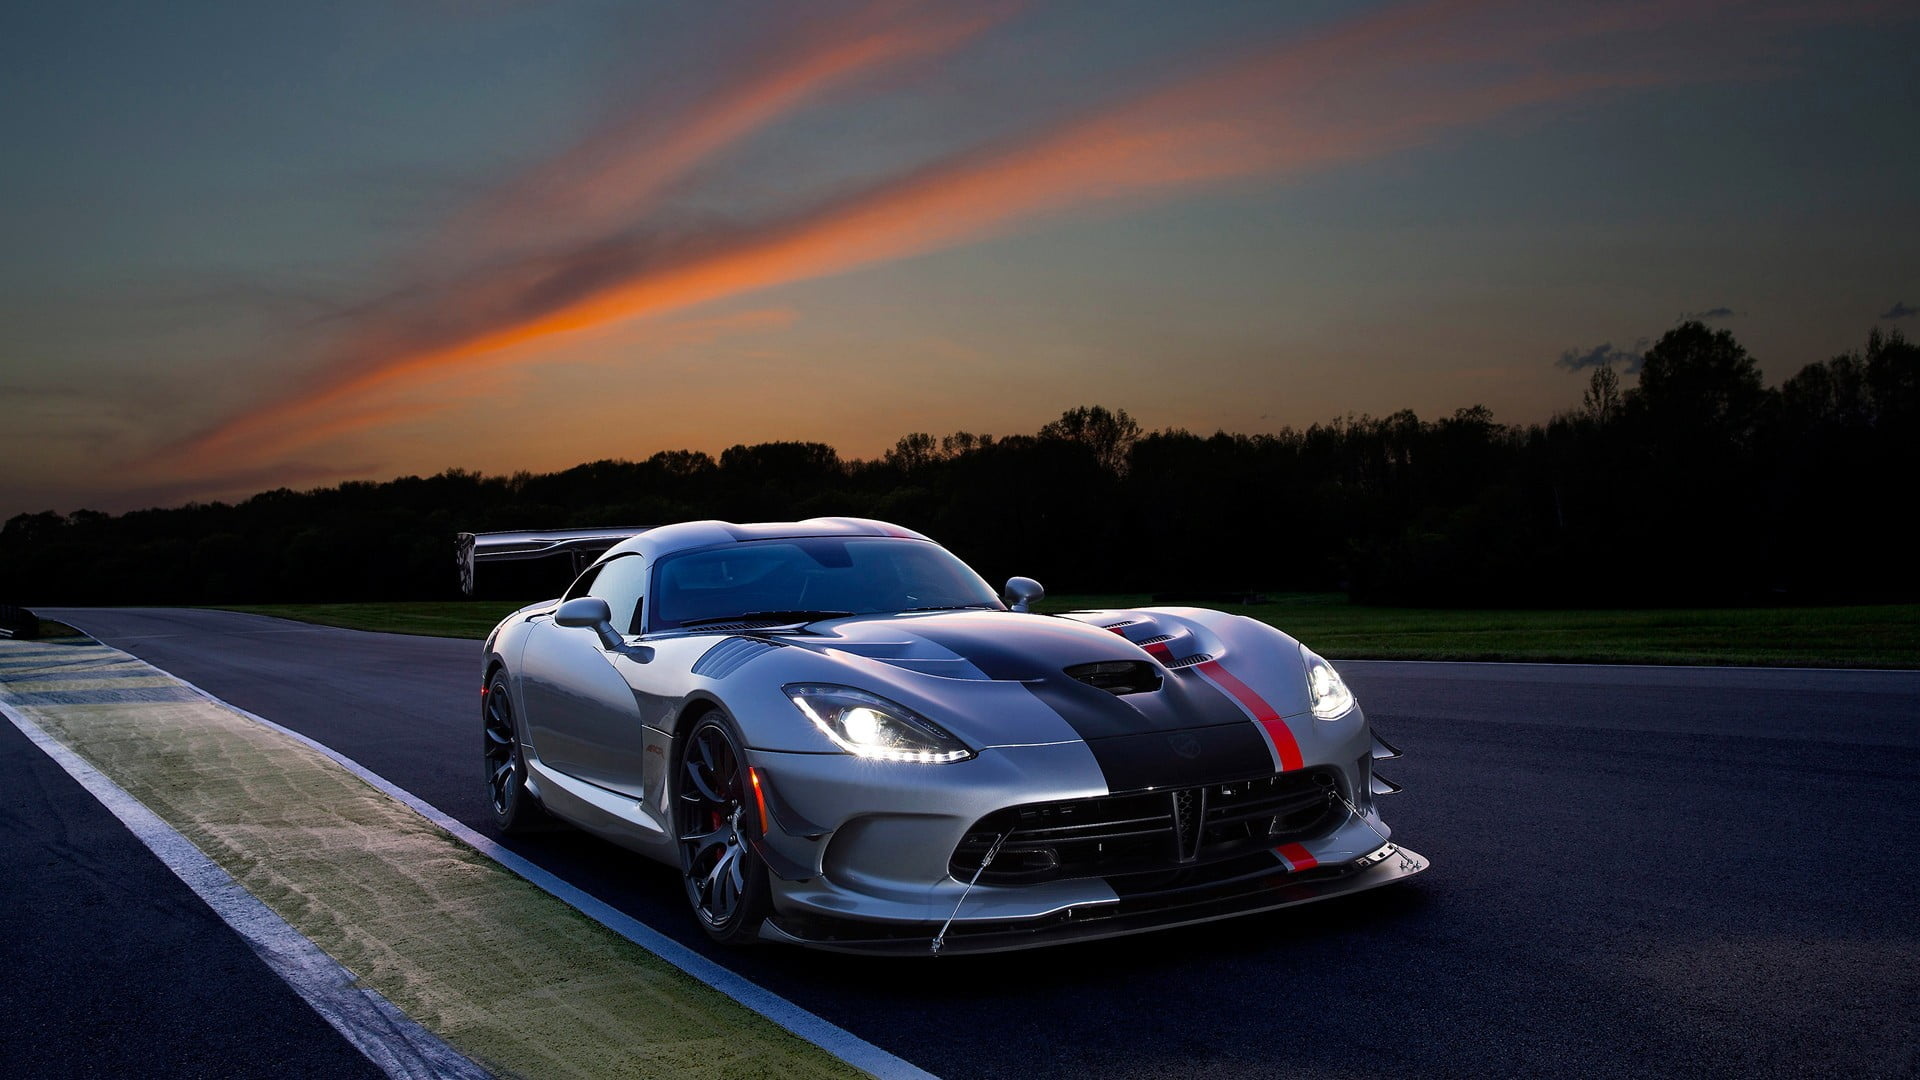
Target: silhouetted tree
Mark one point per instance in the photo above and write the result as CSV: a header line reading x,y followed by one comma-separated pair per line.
x,y
1110,435
1701,382
1601,403
1699,484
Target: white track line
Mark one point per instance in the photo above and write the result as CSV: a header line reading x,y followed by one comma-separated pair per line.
x,y
388,1037
835,1040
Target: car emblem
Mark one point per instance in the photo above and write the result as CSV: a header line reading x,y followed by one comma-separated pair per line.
x,y
1185,745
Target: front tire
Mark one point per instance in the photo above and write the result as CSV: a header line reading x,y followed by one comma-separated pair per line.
x,y
515,810
716,820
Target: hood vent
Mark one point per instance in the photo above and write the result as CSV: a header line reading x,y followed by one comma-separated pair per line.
x,y
1118,677
1189,661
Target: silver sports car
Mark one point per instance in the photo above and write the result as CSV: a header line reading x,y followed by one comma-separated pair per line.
x,y
842,738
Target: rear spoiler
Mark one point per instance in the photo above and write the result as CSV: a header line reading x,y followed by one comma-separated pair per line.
x,y
582,546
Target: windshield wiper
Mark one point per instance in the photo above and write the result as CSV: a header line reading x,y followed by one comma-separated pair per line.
x,y
763,616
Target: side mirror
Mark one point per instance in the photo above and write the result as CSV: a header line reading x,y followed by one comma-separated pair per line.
x,y
1022,592
593,612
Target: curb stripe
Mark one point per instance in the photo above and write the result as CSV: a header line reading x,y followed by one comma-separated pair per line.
x,y
837,1041
390,1039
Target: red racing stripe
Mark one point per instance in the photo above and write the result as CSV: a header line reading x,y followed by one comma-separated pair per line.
x,y
1297,856
1285,748
1157,649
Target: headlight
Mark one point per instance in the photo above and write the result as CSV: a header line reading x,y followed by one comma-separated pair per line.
x,y
1330,696
873,727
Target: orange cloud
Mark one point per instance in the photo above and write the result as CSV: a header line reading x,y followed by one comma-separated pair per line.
x,y
409,394
612,177
1363,87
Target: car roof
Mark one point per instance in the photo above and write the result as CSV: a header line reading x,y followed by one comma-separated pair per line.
x,y
667,539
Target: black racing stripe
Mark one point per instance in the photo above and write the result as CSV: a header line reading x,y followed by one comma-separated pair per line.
x,y
1134,755
1184,734
1002,651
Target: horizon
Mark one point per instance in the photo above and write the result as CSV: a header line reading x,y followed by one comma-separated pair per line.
x,y
263,248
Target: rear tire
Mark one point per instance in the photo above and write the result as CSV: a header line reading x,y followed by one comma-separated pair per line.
x,y
515,810
717,820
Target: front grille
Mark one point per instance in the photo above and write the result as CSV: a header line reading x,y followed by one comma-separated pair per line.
x,y
1148,832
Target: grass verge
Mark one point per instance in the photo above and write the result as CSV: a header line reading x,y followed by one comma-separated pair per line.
x,y
433,618
507,974
1882,635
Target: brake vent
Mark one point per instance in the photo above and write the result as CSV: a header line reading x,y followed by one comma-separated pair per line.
x,y
729,656
1118,676
1188,661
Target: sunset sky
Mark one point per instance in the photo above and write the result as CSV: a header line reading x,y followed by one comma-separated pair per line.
x,y
247,245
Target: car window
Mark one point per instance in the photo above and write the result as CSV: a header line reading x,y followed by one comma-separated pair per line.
x,y
620,583
858,575
582,583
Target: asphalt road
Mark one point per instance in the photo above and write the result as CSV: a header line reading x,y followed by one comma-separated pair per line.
x,y
115,968
1636,870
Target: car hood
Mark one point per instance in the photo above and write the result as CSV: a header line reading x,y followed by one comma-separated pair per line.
x,y
1095,677
999,645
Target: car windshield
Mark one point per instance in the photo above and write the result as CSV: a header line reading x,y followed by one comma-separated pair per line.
x,y
808,575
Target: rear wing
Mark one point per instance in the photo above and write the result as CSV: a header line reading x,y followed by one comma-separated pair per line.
x,y
579,547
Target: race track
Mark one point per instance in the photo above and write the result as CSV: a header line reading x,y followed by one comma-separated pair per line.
x,y
1682,871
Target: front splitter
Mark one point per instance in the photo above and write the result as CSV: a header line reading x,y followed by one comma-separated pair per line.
x,y
1091,922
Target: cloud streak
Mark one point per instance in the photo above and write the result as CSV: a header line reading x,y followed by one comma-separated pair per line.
x,y
1900,310
1360,88
1604,355
620,172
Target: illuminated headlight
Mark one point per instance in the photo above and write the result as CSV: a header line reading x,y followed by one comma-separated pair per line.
x,y
1330,696
873,727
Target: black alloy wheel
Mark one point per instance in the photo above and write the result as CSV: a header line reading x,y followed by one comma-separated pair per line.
x,y
716,820
514,808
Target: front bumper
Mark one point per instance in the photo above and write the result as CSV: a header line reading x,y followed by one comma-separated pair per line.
x,y
860,856
1264,891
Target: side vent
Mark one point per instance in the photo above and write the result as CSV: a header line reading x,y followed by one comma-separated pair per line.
x,y
729,656
1118,676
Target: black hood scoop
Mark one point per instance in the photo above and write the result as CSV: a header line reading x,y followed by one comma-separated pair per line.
x,y
1118,677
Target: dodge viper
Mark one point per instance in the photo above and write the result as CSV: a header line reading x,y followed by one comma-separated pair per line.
x,y
841,737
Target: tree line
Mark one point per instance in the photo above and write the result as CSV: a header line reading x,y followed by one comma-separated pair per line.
x,y
1699,484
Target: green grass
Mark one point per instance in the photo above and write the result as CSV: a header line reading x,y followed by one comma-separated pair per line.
x,y
434,618
48,630
1866,636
